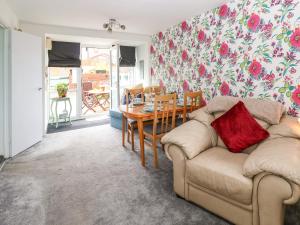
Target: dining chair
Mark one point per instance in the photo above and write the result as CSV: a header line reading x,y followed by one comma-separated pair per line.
x,y
131,95
164,121
192,101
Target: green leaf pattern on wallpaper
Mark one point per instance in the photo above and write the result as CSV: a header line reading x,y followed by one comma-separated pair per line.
x,y
247,48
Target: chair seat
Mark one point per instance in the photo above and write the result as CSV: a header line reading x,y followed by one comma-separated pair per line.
x,y
131,121
219,170
149,129
178,122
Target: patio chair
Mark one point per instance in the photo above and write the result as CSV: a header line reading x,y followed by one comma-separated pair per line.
x,y
89,100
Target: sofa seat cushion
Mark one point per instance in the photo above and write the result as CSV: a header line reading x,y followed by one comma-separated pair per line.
x,y
219,170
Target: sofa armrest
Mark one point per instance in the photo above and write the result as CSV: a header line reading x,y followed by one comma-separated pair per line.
x,y
279,156
179,166
192,138
268,202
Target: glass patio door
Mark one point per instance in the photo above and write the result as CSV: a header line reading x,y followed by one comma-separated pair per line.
x,y
70,77
95,78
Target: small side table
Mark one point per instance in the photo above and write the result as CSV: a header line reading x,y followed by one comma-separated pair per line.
x,y
66,115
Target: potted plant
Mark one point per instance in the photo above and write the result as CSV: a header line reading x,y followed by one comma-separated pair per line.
x,y
62,89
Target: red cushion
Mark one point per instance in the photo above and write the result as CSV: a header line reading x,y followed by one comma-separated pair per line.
x,y
238,129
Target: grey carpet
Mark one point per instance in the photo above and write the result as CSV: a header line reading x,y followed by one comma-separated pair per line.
x,y
85,177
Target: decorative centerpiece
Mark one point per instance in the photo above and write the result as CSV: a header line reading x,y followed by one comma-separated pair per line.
x,y
62,89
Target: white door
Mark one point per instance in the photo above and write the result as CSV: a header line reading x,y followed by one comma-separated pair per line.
x,y
26,91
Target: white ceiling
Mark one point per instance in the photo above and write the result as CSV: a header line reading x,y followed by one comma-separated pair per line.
x,y
140,16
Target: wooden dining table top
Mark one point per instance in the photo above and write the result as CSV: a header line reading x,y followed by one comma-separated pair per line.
x,y
137,111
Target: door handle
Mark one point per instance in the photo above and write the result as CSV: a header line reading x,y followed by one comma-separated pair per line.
x,y
39,89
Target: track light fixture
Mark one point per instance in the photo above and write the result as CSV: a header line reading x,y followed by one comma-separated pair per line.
x,y
113,23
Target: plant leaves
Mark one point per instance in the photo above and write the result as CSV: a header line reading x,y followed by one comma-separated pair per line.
x,y
279,36
282,90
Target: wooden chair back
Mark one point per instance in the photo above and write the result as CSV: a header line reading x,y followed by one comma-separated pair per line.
x,y
164,110
134,93
87,86
153,89
195,102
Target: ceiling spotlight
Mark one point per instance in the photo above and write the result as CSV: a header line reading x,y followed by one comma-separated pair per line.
x,y
113,23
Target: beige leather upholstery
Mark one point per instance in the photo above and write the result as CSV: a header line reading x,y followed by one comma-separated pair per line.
x,y
191,137
249,188
288,127
280,156
221,171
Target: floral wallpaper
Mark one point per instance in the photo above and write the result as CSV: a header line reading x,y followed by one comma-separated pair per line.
x,y
245,48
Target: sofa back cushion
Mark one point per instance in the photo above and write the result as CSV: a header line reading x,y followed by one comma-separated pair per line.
x,y
265,110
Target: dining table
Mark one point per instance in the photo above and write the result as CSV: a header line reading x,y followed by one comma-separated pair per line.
x,y
137,113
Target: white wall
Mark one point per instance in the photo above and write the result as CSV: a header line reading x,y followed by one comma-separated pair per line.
x,y
41,30
143,54
7,16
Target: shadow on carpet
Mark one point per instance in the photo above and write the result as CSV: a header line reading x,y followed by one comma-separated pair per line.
x,y
78,124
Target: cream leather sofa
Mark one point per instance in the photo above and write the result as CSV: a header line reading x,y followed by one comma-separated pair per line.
x,y
249,188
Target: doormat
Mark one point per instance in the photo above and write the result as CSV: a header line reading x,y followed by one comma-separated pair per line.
x,y
78,124
2,161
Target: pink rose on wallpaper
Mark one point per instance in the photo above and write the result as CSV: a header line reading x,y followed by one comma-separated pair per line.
x,y
161,59
185,86
201,36
184,55
184,26
152,50
224,88
296,96
171,44
224,49
293,70
253,22
223,11
255,68
295,38
202,70
171,71
160,35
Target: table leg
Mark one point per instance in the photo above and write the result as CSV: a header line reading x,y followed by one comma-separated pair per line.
x,y
123,129
141,136
52,114
70,112
56,115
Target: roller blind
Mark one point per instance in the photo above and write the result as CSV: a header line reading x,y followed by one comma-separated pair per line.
x,y
127,56
64,54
